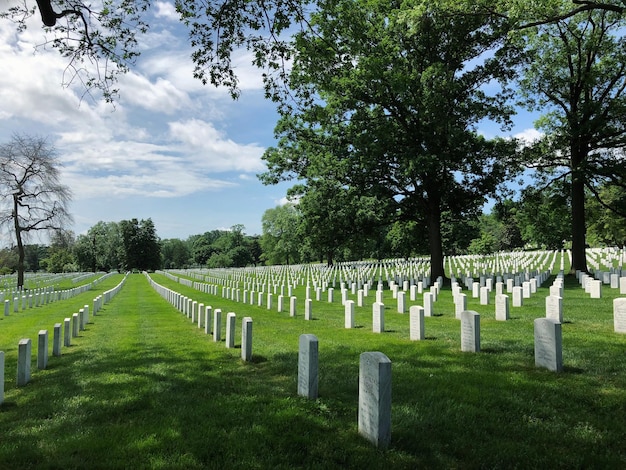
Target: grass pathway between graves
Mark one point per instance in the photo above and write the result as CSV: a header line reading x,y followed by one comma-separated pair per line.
x,y
142,387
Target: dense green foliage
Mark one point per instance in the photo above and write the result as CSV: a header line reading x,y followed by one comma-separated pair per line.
x,y
574,74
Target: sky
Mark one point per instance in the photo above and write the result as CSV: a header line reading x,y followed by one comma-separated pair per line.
x,y
170,149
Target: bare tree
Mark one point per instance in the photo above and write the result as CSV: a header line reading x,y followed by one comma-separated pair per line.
x,y
31,197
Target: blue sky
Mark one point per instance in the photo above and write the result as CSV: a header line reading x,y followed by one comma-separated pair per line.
x,y
171,149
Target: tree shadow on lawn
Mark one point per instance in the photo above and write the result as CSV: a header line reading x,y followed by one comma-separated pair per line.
x,y
153,408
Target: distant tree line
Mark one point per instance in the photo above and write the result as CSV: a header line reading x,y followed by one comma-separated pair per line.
x,y
293,235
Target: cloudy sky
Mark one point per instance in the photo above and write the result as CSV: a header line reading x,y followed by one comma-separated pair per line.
x,y
171,149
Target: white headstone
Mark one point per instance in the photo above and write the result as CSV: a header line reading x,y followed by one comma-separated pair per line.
x,y
308,309
217,325
230,329
416,323
484,295
619,315
378,317
308,366
349,314
292,306
548,344
401,299
470,331
428,304
517,296
375,398
554,308
460,305
24,354
502,307
595,289
246,339
42,349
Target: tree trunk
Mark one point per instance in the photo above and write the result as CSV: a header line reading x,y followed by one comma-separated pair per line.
x,y
20,245
434,237
579,257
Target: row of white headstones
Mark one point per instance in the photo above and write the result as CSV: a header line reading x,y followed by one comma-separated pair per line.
x,y
71,328
375,397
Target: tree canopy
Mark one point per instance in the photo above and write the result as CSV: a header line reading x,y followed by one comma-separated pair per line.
x,y
390,110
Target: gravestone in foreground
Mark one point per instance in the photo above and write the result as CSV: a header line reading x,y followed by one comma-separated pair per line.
x,y
308,366
42,349
375,398
416,323
502,307
548,344
619,315
230,329
24,353
378,317
246,339
470,331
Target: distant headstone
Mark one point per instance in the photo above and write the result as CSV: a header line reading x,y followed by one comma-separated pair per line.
x,y
595,289
308,309
622,288
484,295
201,315
75,325
331,295
502,307
525,290
428,304
308,366
460,305
548,344
281,299
7,306
554,308
517,296
292,306
470,331
24,357
375,398
217,325
42,349
619,315
208,310
349,314
378,317
416,323
246,339
401,299
56,340
230,329
67,336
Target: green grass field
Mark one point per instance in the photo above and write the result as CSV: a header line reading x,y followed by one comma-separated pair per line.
x,y
143,387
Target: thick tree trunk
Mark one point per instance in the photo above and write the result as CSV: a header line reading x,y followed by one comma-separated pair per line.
x,y
434,238
20,245
579,257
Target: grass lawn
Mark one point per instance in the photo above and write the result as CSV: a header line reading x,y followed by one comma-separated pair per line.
x,y
143,387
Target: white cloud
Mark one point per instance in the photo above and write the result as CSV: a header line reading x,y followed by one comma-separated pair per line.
x,y
529,136
210,150
166,10
161,96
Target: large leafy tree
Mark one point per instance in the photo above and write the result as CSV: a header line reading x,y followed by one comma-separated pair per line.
x,y
141,245
281,238
32,198
390,109
101,248
576,75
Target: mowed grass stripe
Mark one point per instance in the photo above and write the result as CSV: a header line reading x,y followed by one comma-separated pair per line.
x,y
27,323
